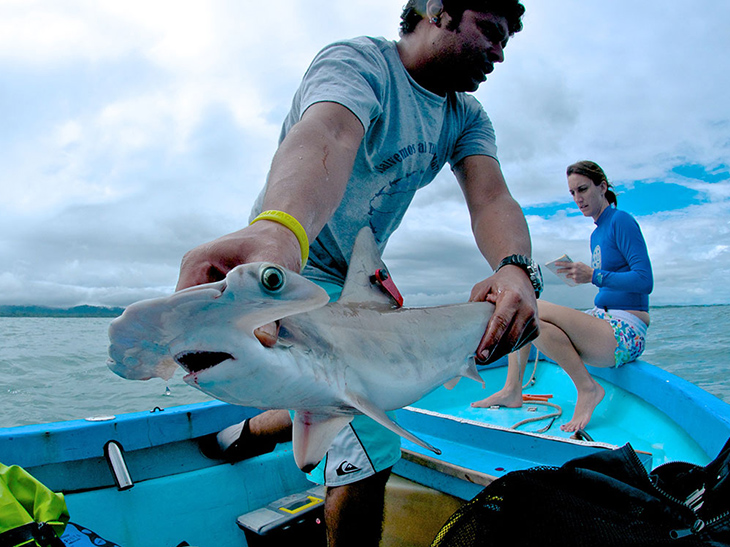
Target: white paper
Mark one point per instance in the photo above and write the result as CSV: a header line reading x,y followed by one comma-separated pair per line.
x,y
554,268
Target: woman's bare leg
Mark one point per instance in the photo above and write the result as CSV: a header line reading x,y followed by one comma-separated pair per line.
x,y
555,344
571,338
511,394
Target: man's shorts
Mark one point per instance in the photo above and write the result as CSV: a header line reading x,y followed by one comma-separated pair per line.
x,y
629,331
361,449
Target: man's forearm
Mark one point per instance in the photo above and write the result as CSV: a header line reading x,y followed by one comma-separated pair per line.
x,y
500,230
312,166
497,221
308,177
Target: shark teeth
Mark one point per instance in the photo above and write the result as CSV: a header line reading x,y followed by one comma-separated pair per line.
x,y
195,361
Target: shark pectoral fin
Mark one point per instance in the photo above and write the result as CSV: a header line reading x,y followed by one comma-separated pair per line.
x,y
469,372
312,435
472,372
451,384
370,410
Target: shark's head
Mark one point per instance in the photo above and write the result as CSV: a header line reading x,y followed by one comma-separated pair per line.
x,y
202,327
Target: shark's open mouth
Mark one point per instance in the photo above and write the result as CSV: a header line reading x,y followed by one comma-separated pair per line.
x,y
195,361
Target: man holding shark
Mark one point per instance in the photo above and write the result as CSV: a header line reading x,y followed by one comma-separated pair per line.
x,y
371,123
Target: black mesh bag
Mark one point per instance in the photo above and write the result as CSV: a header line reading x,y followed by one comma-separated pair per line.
x,y
606,499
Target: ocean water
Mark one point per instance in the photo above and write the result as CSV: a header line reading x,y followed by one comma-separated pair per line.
x,y
54,369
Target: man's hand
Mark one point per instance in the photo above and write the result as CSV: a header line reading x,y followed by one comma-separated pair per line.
x,y
514,322
263,241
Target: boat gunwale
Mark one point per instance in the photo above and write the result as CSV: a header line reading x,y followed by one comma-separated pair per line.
x,y
705,417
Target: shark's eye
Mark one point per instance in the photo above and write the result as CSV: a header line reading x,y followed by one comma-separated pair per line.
x,y
272,278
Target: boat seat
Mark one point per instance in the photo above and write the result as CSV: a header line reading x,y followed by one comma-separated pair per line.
x,y
297,519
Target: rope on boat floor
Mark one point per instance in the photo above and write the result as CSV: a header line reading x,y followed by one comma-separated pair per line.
x,y
555,415
580,435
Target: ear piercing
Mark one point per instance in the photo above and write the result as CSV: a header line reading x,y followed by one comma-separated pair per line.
x,y
434,20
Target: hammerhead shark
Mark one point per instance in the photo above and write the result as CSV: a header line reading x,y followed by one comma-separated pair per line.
x,y
359,354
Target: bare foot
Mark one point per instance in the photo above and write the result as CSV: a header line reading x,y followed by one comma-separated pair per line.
x,y
504,397
584,407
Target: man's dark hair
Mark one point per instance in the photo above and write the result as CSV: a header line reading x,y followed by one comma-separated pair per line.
x,y
512,10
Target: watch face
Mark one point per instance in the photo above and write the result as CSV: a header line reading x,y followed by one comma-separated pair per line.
x,y
533,270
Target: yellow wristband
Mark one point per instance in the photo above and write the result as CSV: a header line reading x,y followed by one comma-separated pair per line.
x,y
293,224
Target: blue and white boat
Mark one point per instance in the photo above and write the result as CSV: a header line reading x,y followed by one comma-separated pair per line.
x,y
141,479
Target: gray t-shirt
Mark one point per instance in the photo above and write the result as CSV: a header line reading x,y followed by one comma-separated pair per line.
x,y
410,134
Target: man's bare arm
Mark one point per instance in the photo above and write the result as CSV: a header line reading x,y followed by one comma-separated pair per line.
x,y
500,230
308,177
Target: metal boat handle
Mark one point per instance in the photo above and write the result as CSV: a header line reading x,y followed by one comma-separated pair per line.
x,y
114,454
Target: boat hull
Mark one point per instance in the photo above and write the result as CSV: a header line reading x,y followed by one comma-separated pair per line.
x,y
181,495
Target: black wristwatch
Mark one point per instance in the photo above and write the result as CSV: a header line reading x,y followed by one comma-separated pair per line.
x,y
531,269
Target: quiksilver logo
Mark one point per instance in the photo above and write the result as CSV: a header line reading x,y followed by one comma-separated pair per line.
x,y
345,468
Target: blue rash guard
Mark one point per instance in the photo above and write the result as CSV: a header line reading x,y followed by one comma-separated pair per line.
x,y
620,262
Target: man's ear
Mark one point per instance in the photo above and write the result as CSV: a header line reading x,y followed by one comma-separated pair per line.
x,y
434,9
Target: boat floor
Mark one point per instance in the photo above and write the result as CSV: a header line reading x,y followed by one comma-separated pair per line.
x,y
413,513
622,417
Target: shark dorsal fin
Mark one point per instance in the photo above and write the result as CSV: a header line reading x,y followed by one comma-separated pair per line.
x,y
364,262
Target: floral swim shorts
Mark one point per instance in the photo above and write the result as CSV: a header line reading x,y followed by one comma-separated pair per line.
x,y
629,330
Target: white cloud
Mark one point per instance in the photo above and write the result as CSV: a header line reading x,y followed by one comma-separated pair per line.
x,y
134,131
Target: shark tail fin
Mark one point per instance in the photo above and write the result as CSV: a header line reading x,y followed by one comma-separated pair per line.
x,y
367,408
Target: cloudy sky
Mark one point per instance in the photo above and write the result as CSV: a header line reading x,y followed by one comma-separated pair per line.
x,y
133,131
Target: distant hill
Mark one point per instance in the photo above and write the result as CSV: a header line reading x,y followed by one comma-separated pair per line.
x,y
46,311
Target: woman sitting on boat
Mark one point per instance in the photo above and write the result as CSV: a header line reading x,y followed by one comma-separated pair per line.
x,y
613,332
